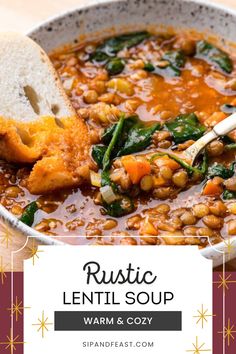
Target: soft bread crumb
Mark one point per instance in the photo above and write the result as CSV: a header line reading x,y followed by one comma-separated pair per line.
x,y
25,68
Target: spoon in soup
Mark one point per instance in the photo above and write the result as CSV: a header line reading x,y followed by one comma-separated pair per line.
x,y
220,129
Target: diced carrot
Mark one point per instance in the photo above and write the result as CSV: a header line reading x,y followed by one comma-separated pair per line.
x,y
166,161
214,119
135,168
147,228
212,188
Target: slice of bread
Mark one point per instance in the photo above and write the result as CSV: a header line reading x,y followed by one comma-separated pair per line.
x,y
38,124
29,85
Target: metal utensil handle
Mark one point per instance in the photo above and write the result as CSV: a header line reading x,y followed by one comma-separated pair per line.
x,y
226,125
193,151
222,128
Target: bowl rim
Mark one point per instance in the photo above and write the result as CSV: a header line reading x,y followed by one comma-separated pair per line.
x,y
94,3
29,231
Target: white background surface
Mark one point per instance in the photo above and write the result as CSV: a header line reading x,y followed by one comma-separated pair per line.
x,y
59,269
22,15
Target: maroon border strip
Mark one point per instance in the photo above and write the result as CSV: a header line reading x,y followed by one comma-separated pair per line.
x,y
222,287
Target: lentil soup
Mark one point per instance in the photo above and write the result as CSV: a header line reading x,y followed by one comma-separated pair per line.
x,y
145,98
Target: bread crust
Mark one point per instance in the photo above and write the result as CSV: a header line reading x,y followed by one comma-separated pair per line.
x,y
59,153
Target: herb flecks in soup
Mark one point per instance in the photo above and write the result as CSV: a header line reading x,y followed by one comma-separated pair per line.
x,y
145,99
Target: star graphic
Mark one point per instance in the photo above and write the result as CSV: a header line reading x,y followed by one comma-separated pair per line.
x,y
2,270
5,234
42,324
11,342
202,316
198,348
228,332
229,245
224,281
17,309
34,251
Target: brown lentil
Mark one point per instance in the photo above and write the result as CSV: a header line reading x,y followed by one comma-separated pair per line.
x,y
231,227
200,210
215,148
109,224
213,222
188,218
90,96
180,179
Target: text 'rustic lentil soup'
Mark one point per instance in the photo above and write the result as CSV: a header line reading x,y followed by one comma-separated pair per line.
x,y
145,99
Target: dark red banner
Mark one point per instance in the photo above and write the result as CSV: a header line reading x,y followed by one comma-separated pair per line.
x,y
224,313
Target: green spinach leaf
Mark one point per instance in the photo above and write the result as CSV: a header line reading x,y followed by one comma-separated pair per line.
x,y
27,216
138,139
176,61
99,57
120,207
228,195
105,180
115,138
185,127
113,45
108,133
128,123
98,151
134,137
230,146
219,170
149,67
168,71
115,66
214,55
106,52
176,58
203,167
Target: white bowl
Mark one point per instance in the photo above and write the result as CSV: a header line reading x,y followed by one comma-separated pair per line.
x,y
100,17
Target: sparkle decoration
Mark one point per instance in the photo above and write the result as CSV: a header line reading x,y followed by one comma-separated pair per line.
x,y
2,270
11,342
42,324
228,332
224,281
202,316
17,309
34,251
198,348
230,246
5,234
